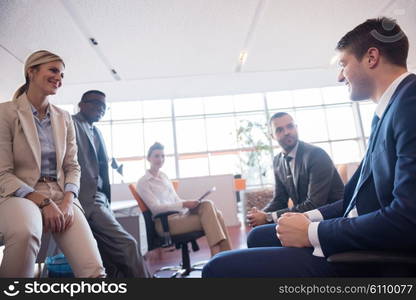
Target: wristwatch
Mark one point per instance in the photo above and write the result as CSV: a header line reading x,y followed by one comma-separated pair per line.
x,y
45,202
269,217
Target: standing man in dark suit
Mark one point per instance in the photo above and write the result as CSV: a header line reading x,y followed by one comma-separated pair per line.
x,y
378,211
303,172
119,250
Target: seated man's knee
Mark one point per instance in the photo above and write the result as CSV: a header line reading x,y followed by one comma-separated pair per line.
x,y
213,267
26,235
253,236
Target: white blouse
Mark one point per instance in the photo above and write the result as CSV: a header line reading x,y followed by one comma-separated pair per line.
x,y
159,194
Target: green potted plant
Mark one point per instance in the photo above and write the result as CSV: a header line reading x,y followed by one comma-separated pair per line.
x,y
257,150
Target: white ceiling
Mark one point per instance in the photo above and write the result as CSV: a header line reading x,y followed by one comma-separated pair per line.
x,y
185,48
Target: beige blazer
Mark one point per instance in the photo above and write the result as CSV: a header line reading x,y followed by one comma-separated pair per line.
x,y
20,154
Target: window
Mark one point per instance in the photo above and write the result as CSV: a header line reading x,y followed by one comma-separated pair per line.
x,y
158,131
126,110
341,124
190,135
308,97
335,94
218,105
248,102
312,125
367,110
278,100
157,109
205,131
188,107
127,139
221,133
224,164
193,166
345,152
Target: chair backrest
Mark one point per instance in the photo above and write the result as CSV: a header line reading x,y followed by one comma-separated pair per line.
x,y
153,239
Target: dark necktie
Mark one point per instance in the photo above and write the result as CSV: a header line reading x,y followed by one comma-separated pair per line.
x,y
289,179
374,123
352,203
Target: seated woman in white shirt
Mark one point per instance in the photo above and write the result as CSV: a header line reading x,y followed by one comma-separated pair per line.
x,y
158,193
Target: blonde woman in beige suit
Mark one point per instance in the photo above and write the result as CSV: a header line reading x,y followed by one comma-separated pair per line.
x,y
158,193
39,176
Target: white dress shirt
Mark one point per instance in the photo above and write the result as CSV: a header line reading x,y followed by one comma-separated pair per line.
x,y
159,194
315,215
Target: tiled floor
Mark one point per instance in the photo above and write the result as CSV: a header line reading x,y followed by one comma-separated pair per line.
x,y
165,257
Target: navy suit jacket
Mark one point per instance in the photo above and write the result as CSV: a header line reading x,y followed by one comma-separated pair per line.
x,y
386,199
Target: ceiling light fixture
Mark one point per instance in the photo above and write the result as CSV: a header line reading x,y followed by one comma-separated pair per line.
x,y
241,60
243,57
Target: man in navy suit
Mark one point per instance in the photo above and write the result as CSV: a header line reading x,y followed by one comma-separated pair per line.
x,y
378,211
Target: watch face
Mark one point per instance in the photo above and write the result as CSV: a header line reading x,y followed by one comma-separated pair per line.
x,y
45,202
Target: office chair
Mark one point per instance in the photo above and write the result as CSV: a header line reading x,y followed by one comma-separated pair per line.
x,y
389,263
180,241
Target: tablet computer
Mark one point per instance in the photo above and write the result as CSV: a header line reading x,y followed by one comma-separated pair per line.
x,y
213,189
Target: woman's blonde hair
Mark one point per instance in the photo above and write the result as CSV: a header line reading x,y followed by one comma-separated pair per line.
x,y
34,60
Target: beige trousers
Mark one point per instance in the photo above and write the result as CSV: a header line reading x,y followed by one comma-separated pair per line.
x,y
204,217
21,229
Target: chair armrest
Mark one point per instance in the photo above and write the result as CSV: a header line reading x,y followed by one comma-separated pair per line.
x,y
165,214
364,256
167,239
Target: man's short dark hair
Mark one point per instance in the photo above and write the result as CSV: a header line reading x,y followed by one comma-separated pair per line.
x,y
155,146
90,92
278,115
382,33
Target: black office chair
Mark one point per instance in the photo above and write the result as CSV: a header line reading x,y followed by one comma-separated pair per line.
x,y
388,263
180,241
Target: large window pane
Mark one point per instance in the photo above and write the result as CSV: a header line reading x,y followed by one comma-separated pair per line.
x,y
218,105
188,107
335,94
128,139
248,102
278,100
307,97
345,152
126,110
159,131
225,164
311,125
367,111
221,133
157,108
193,167
132,171
190,135
341,123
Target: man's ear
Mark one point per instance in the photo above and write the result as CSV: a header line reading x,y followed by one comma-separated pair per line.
x,y
372,57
